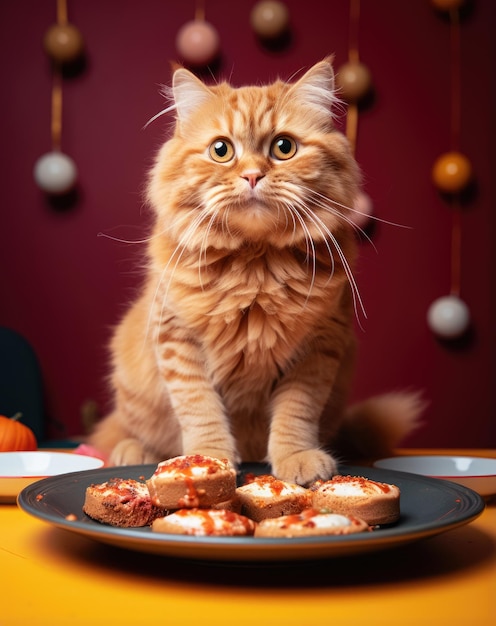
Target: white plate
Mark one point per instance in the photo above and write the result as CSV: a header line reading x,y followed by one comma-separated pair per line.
x,y
428,507
19,469
477,473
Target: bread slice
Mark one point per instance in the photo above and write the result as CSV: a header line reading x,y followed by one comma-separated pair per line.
x,y
266,496
204,522
310,523
191,481
375,502
121,502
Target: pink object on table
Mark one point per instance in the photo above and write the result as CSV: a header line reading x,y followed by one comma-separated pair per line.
x,y
87,450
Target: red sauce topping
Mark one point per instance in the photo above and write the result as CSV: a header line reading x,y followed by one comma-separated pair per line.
x,y
184,464
363,482
266,480
125,489
209,516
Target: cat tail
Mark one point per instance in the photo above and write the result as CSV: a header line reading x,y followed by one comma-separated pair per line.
x,y
373,428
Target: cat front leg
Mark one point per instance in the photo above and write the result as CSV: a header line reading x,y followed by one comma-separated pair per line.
x,y
198,408
294,446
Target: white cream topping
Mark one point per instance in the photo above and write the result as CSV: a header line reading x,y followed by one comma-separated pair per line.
x,y
347,489
265,490
197,522
192,469
330,520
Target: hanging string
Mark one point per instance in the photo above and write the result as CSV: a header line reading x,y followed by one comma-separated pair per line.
x,y
62,12
200,11
353,57
56,123
455,79
456,227
56,126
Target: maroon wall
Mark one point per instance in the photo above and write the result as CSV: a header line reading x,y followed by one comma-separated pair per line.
x,y
64,287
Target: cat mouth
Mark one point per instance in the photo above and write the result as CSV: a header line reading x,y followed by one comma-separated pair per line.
x,y
253,204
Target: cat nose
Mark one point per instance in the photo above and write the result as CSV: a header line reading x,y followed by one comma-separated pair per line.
x,y
252,176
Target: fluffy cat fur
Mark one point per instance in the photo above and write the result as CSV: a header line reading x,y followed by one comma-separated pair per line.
x,y
241,343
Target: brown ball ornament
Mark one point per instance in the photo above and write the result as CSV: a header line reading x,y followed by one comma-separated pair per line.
x,y
354,81
447,5
63,43
269,19
452,172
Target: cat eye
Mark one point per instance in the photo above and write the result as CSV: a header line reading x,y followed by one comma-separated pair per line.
x,y
221,150
283,148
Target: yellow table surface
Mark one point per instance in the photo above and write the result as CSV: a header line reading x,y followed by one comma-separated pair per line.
x,y
52,576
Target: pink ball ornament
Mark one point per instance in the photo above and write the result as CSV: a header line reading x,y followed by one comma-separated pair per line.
x,y
55,173
198,42
362,210
448,317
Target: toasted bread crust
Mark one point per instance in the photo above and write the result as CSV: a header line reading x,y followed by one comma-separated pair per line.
x,y
266,496
376,503
192,481
310,523
205,522
121,502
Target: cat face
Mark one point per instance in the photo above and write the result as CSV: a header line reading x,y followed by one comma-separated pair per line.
x,y
254,164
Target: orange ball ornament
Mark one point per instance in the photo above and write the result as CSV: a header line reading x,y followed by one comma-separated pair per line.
x,y
63,43
354,81
15,436
452,172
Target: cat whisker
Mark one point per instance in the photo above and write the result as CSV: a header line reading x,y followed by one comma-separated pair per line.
x,y
372,217
357,299
329,205
328,236
310,246
127,241
202,259
168,109
176,258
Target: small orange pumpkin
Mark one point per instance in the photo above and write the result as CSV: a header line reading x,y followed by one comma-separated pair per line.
x,y
15,436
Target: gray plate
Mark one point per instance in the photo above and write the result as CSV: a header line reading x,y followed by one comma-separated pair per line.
x,y
428,506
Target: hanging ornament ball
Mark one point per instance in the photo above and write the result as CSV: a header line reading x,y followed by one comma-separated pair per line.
x,y
354,81
362,209
269,19
447,5
448,317
55,173
198,42
63,43
451,172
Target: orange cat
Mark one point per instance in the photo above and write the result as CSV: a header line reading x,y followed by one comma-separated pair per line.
x,y
241,343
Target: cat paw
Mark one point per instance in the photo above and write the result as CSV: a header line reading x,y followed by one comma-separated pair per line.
x,y
305,467
130,452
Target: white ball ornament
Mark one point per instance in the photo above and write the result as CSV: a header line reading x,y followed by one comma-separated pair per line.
x,y
55,173
448,317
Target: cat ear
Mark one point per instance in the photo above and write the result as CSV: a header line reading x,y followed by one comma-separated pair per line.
x,y
188,92
317,88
